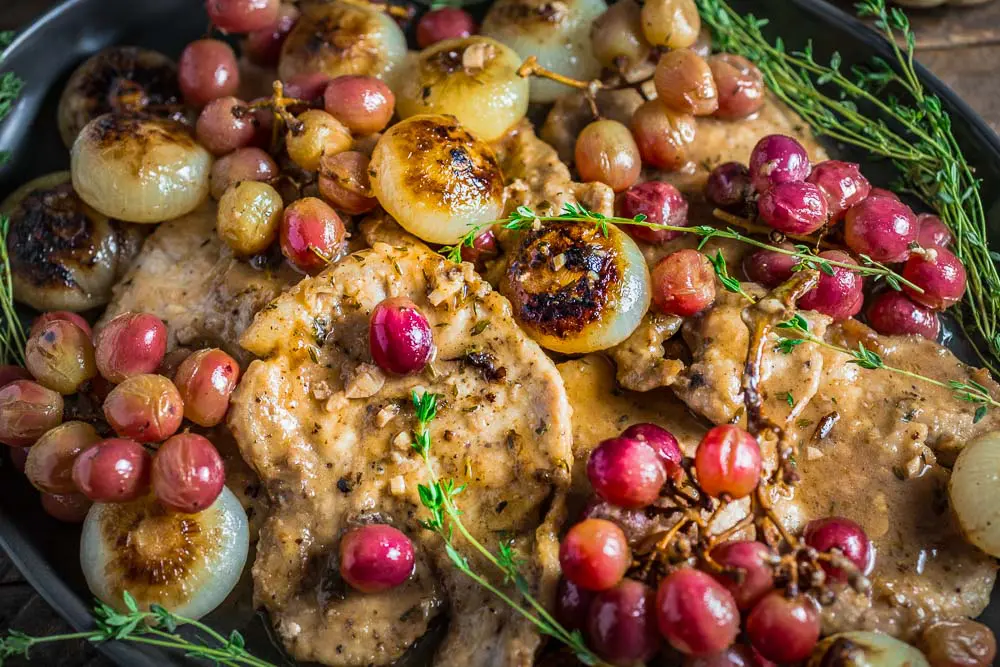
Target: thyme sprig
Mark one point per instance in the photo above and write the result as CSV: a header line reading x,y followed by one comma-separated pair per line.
x,y
971,391
12,335
439,498
156,627
916,135
523,217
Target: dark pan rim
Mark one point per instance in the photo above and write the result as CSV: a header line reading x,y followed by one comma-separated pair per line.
x,y
76,611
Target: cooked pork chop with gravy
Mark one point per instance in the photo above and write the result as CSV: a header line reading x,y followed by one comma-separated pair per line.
x,y
330,436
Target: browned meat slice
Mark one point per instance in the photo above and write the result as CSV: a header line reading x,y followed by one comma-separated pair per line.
x,y
186,276
329,435
877,464
650,357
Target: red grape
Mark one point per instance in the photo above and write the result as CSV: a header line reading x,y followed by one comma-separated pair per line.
x,y
49,466
939,274
728,185
777,159
45,318
622,624
842,184
695,613
10,373
663,441
130,344
684,83
770,268
931,232
147,408
594,555
683,283
663,136
737,655
728,461
242,15
68,508
308,86
344,182
606,152
244,164
113,471
572,605
60,356
224,125
312,234
263,47
882,192
400,337
881,228
756,575
661,203
483,248
626,472
438,25
844,535
188,474
363,104
375,558
206,71
839,295
740,84
893,314
27,411
783,630
205,380
793,208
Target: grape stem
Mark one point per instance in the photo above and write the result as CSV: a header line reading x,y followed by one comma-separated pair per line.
x,y
438,497
156,627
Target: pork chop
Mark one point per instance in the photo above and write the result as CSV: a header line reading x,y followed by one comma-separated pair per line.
x,y
186,276
329,435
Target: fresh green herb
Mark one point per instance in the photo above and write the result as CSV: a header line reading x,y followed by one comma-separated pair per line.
x,y
439,498
523,218
731,284
12,335
6,38
912,130
156,627
970,391
480,327
789,399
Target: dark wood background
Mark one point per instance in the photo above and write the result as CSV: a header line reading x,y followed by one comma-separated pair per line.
x,y
960,45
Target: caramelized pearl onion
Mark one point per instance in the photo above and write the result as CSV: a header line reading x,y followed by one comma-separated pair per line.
x,y
575,290
64,255
341,37
474,79
139,169
119,79
557,33
435,178
187,563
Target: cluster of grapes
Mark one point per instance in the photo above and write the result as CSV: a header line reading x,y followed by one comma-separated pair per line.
x,y
259,167
785,192
628,586
124,369
689,83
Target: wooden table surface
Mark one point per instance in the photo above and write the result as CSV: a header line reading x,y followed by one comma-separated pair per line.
x,y
960,45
